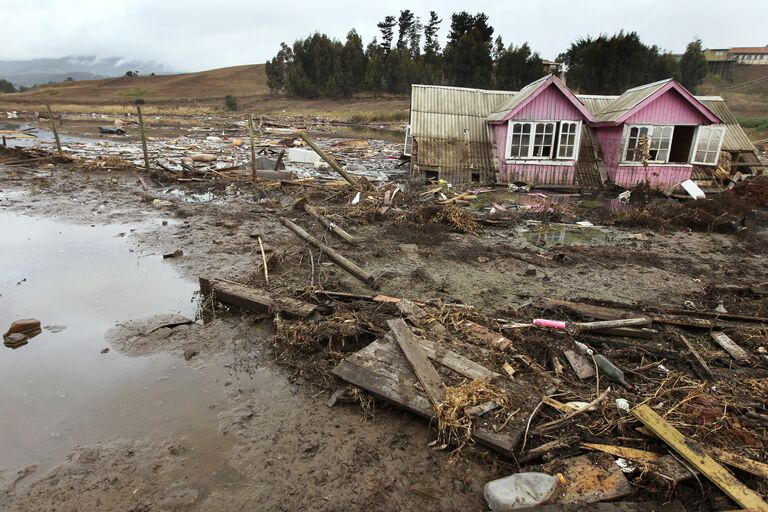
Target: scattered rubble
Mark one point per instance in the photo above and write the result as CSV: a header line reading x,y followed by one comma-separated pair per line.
x,y
604,398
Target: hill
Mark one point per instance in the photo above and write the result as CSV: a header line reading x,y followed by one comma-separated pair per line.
x,y
203,86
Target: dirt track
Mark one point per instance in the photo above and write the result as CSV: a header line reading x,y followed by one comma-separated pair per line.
x,y
280,447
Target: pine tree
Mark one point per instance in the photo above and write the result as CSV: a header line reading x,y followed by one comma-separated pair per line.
x,y
277,69
387,34
517,67
404,24
414,38
467,55
693,66
431,44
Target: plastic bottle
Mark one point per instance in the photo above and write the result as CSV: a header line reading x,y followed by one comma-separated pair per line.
x,y
520,490
611,371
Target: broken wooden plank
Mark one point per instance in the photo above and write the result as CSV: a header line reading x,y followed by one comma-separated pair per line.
x,y
730,346
699,459
389,384
480,409
253,299
335,256
696,355
632,454
452,360
589,478
425,372
737,461
489,337
583,367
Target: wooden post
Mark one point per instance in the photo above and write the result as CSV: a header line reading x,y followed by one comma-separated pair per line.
x,y
330,161
253,147
336,257
53,128
143,138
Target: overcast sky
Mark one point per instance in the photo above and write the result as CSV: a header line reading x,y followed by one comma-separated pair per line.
x,y
194,35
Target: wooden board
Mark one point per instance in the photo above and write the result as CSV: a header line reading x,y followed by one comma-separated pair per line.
x,y
381,369
583,367
730,346
700,460
253,299
425,372
589,478
452,360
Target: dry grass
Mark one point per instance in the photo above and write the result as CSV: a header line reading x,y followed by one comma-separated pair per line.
x,y
454,425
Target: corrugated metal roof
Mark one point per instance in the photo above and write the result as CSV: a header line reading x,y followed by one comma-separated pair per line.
x,y
524,93
627,101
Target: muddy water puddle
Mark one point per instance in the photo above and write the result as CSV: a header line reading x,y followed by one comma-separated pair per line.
x,y
60,391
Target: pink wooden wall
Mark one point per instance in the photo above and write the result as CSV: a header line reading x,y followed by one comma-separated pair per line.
x,y
669,108
549,105
658,176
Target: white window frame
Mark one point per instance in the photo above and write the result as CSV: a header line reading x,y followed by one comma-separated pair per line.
x,y
554,158
650,128
697,139
576,139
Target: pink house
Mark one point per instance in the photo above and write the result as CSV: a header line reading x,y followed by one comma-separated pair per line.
x,y
545,135
538,134
677,129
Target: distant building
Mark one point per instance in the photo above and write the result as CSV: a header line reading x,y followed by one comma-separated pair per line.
x,y
716,54
749,55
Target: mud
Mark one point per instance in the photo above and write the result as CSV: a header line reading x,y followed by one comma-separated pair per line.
x,y
255,435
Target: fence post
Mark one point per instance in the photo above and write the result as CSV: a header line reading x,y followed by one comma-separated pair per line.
x,y
53,128
143,138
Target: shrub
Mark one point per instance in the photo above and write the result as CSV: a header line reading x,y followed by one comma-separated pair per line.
x,y
231,102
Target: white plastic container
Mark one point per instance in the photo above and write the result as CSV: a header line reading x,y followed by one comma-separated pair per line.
x,y
520,490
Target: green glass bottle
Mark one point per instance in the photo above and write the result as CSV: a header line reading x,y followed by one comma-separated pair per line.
x,y
611,371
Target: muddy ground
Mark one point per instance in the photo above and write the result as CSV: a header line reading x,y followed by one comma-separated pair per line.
x,y
279,447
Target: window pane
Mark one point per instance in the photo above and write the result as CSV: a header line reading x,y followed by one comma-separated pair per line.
x,y
567,140
543,140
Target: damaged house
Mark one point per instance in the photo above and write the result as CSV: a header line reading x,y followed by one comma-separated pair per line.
x,y
546,135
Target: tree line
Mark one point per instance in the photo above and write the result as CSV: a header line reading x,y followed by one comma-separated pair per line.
x,y
407,51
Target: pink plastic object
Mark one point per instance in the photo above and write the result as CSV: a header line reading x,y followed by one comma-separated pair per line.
x,y
552,324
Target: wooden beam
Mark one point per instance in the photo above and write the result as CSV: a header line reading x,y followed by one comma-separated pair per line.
x,y
730,346
330,161
335,256
253,299
425,372
611,324
700,460
332,227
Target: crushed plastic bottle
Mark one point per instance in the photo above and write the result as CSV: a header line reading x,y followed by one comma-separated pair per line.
x,y
520,490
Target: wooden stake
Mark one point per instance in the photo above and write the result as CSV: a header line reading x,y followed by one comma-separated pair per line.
x,y
253,147
337,258
143,138
330,161
53,129
264,259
